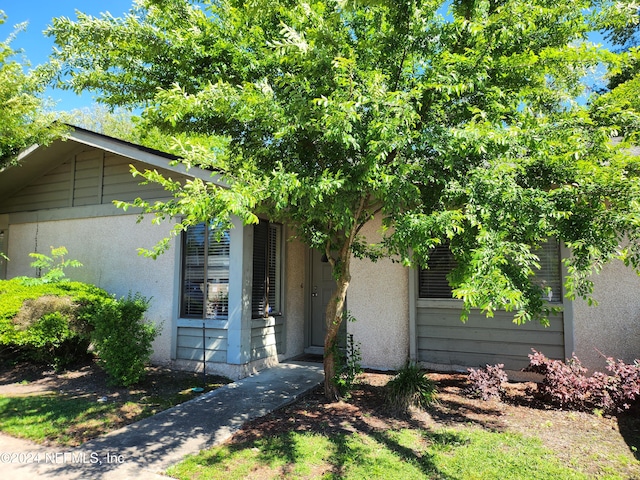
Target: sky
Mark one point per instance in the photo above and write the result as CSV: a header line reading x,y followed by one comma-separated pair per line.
x,y
37,47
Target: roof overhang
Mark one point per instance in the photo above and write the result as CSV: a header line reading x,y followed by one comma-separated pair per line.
x,y
38,159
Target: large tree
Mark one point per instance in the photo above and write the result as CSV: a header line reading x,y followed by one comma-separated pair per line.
x,y
23,121
618,104
456,122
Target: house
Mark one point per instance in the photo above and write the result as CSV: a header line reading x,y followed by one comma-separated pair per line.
x,y
251,297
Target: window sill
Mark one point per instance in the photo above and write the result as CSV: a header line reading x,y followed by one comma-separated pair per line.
x,y
197,323
455,303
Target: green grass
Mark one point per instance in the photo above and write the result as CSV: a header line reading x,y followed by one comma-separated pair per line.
x,y
470,453
54,417
73,419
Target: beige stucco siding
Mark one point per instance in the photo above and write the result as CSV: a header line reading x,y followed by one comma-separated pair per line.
x,y
613,326
106,246
378,298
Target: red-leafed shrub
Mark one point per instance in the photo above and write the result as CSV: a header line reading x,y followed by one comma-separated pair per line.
x,y
486,383
567,384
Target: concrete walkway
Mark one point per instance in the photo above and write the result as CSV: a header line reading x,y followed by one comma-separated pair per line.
x,y
147,448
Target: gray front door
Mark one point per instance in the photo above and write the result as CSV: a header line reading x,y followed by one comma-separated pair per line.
x,y
322,286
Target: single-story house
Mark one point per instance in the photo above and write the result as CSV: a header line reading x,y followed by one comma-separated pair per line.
x,y
250,297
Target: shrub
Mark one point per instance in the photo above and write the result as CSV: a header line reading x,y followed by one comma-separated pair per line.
x,y
52,268
347,366
47,323
567,384
410,387
122,338
486,383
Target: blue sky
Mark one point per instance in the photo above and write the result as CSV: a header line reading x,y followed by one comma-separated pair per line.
x,y
36,47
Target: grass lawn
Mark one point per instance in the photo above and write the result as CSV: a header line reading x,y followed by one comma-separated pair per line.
x,y
72,407
466,453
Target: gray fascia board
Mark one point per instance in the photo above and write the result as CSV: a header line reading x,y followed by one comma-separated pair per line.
x,y
130,151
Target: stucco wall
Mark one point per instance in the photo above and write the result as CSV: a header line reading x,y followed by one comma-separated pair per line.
x,y
296,254
613,326
378,298
107,247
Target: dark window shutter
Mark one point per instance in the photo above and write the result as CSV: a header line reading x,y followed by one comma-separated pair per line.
x,y
272,277
260,258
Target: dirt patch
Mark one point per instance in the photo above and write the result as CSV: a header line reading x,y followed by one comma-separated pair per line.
x,y
89,380
593,444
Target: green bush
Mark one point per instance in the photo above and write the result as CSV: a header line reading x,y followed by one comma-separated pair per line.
x,y
47,323
410,387
348,366
122,338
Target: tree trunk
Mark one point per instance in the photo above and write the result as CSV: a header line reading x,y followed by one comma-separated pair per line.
x,y
335,307
333,319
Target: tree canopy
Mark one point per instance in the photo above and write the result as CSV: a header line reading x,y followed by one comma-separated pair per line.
x,y
454,122
23,119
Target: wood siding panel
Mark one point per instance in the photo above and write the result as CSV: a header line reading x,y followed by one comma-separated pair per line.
x,y
120,184
87,178
267,337
196,356
52,190
90,177
189,344
442,338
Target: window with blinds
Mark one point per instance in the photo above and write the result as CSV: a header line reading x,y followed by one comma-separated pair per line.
x,y
205,272
549,276
433,280
266,289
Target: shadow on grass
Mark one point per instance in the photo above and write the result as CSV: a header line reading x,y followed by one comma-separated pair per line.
x,y
369,452
63,419
629,425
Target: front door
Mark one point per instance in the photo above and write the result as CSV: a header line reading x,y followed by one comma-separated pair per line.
x,y
322,286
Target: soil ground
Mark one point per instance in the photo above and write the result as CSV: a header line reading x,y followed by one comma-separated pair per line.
x,y
89,380
589,442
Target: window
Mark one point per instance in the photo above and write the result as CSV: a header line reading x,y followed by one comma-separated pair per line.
x,y
266,289
205,272
432,281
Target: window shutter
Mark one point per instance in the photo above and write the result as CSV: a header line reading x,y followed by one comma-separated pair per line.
x,y
260,258
273,282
